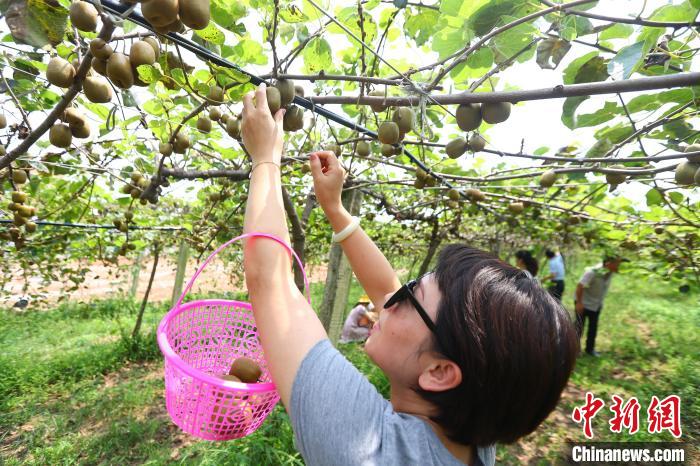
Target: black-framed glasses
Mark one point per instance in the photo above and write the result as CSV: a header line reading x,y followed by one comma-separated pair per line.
x,y
406,292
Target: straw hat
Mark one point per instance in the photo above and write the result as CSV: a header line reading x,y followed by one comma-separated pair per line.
x,y
363,299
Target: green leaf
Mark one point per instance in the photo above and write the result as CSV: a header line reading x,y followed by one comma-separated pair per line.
x,y
250,51
448,40
575,26
569,110
227,12
513,40
627,60
317,55
676,197
682,13
616,31
651,102
609,111
292,14
588,68
494,12
600,148
654,197
212,34
148,73
550,52
421,27
541,150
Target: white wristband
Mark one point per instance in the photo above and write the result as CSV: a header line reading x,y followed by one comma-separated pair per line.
x,y
347,231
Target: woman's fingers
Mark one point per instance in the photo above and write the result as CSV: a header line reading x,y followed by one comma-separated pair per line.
x,y
261,96
248,102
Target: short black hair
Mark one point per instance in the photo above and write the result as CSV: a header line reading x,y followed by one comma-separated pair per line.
x,y
549,253
530,262
515,345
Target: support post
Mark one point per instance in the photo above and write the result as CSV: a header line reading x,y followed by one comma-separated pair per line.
x,y
182,256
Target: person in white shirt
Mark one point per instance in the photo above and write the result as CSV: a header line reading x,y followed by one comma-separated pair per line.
x,y
556,274
590,293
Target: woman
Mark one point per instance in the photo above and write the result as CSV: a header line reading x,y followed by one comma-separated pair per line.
x,y
476,353
525,261
359,321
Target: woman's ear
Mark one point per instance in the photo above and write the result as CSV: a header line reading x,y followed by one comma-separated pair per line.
x,y
440,375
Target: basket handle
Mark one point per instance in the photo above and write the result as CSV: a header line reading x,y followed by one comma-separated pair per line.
x,y
227,243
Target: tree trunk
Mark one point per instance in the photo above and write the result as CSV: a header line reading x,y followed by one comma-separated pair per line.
x,y
135,272
182,257
435,240
335,297
298,237
137,326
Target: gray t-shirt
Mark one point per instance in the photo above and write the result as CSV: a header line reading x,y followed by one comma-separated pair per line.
x,y
339,418
595,281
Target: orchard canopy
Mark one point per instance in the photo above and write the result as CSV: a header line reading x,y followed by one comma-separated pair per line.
x,y
499,123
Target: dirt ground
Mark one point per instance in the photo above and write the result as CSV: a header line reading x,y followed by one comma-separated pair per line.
x,y
102,282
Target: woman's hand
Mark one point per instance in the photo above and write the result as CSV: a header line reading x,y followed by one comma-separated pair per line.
x,y
262,134
328,180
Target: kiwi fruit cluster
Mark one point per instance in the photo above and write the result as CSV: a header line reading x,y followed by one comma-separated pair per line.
x,y
77,125
688,173
135,186
470,116
22,212
281,95
475,195
424,180
173,15
83,15
246,370
119,68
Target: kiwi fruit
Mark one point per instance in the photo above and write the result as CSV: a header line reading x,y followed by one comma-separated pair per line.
x,y
99,65
419,183
475,195
477,143
468,116
175,26
153,42
224,118
293,119
615,178
2,150
274,99
74,117
388,132
30,227
685,173
377,107
215,94
388,150
215,113
693,148
245,369
25,211
19,220
101,49
335,148
286,88
548,178
362,148
19,197
495,113
60,135
136,177
141,53
696,178
195,13
204,124
97,89
403,116
181,143
83,16
430,181
119,70
516,207
19,176
60,72
135,193
160,12
165,149
456,148
298,90
233,127
421,174
3,121
80,131
453,194
658,229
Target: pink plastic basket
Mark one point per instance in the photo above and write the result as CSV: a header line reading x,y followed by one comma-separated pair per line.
x,y
199,341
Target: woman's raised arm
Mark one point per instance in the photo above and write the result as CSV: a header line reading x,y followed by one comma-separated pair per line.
x,y
287,324
371,268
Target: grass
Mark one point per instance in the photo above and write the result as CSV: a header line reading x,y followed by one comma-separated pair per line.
x,y
74,388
